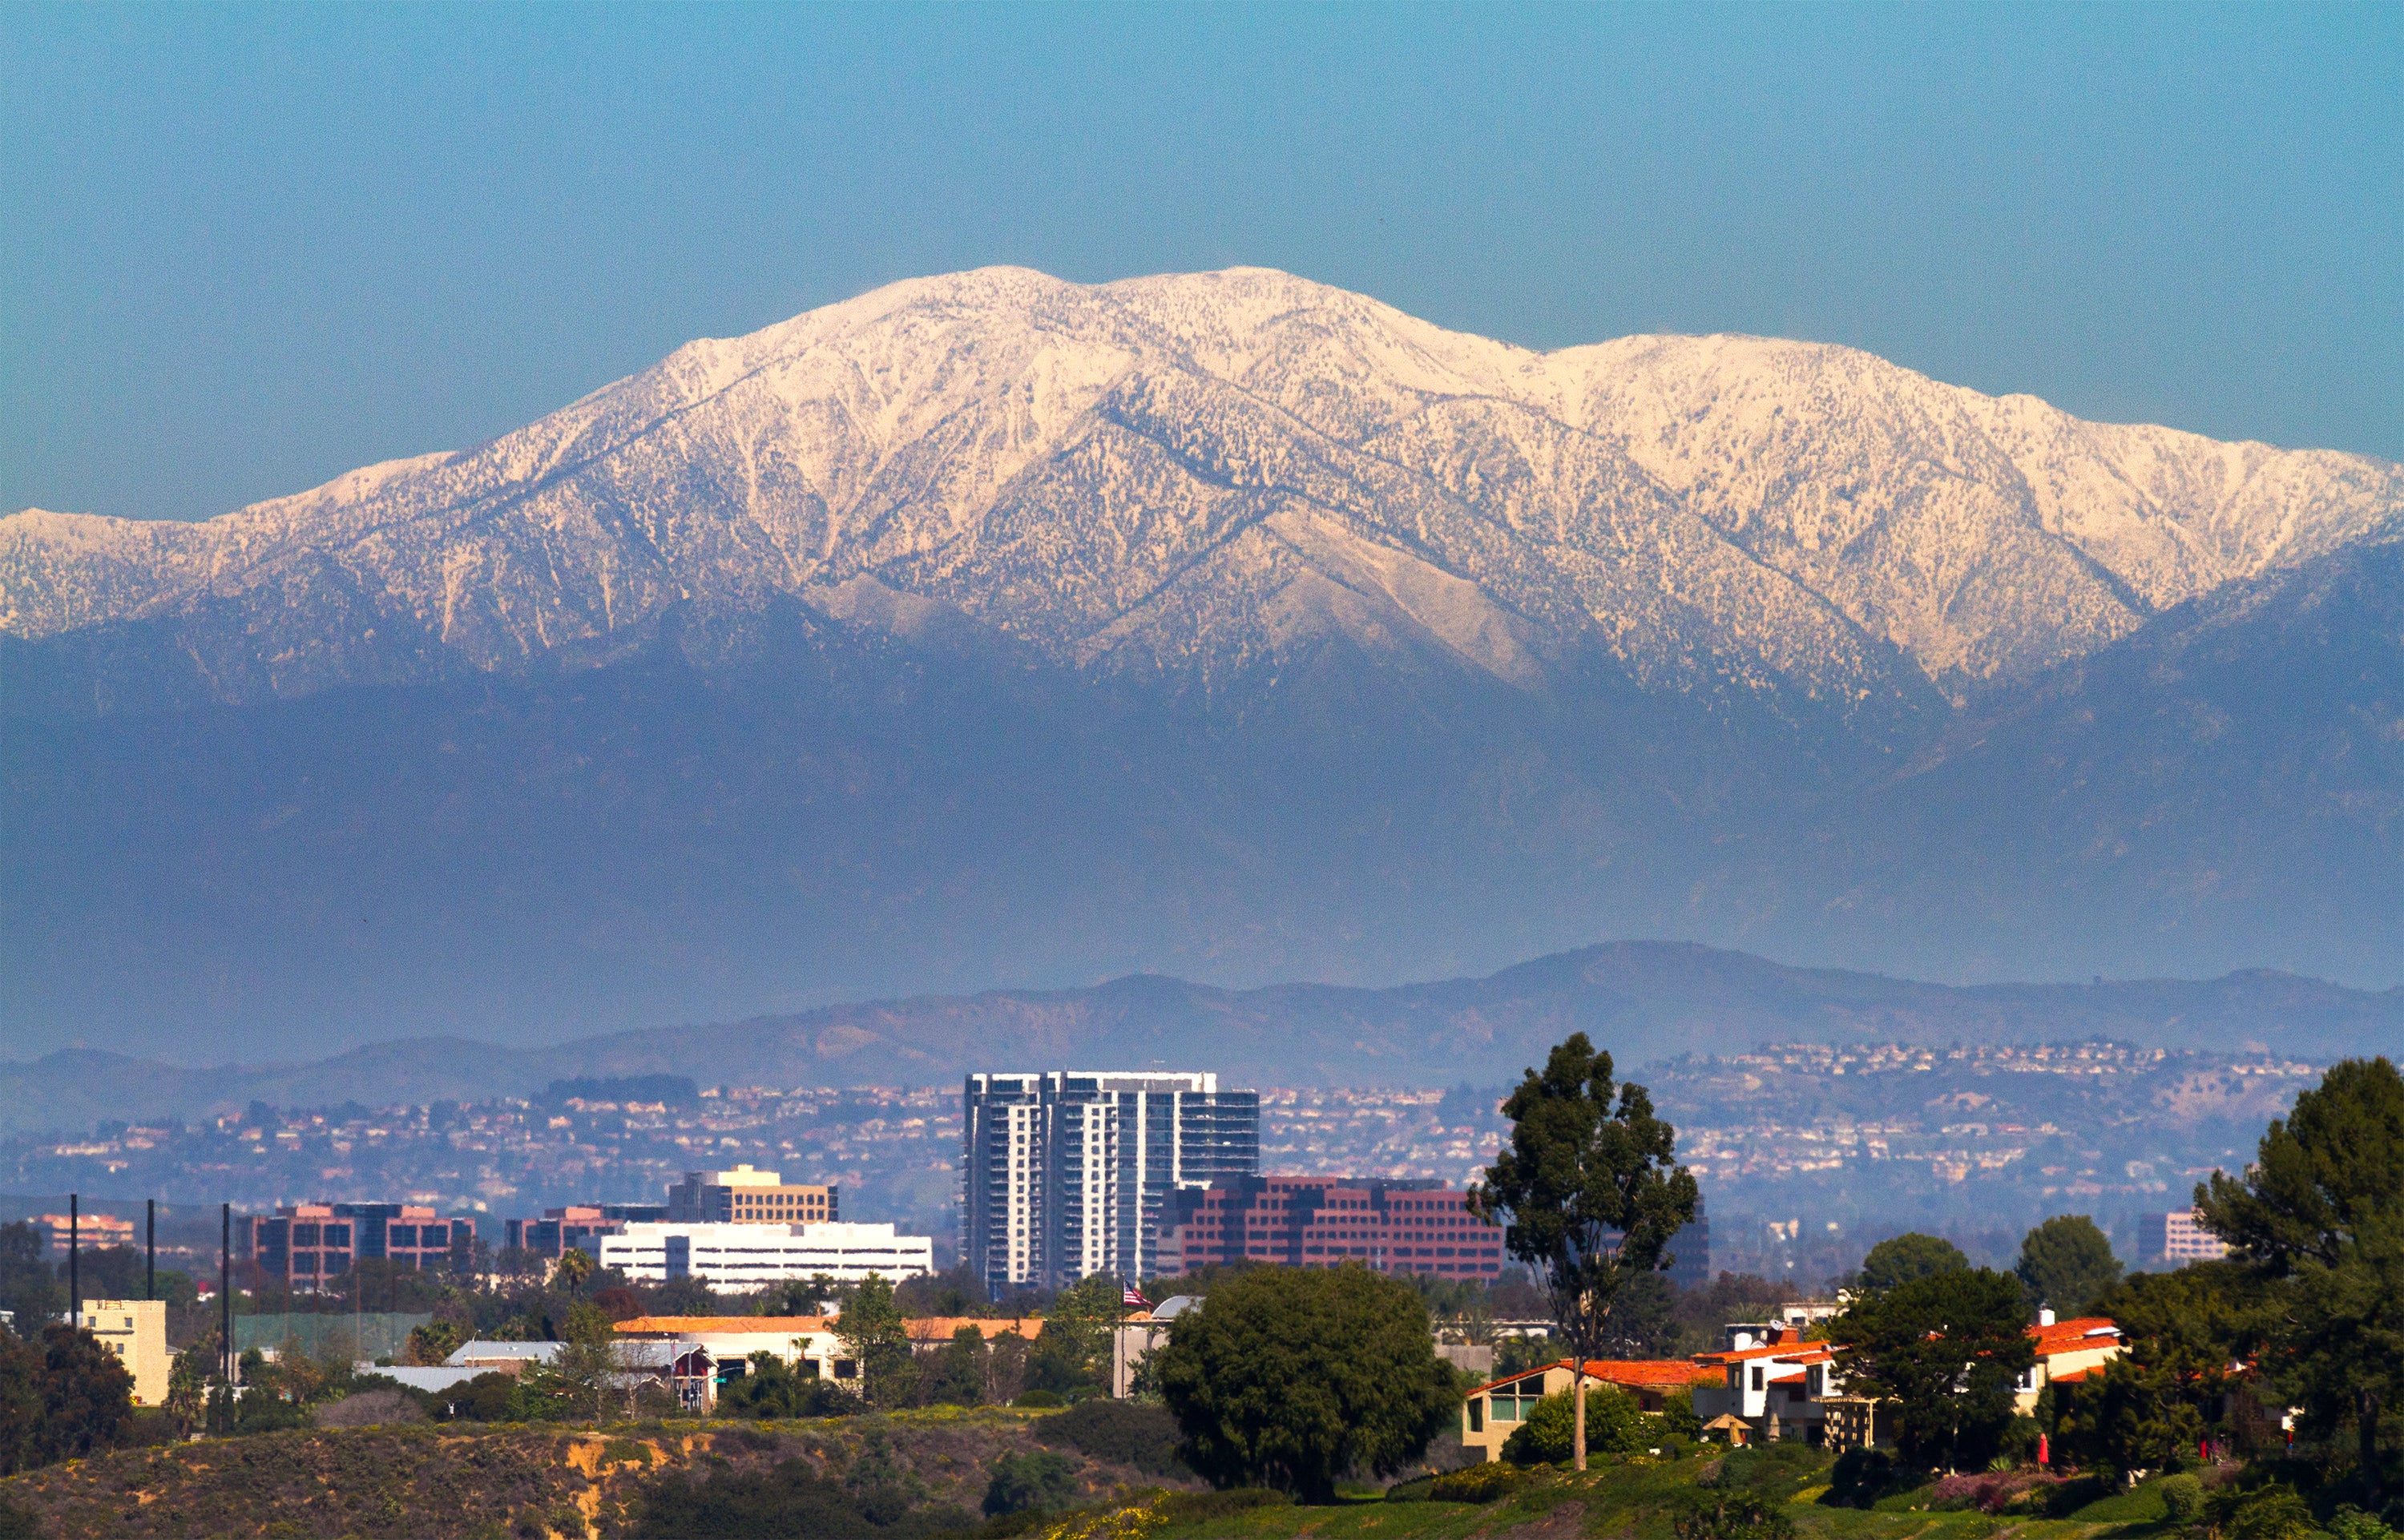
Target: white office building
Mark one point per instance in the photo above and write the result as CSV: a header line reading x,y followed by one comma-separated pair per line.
x,y
1065,1173
736,1258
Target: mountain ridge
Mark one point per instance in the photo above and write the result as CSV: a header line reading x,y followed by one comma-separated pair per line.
x,y
1644,1002
925,435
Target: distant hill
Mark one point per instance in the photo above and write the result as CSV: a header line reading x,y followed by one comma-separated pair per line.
x,y
1642,1001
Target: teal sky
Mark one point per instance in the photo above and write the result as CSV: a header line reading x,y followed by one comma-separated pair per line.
x,y
248,248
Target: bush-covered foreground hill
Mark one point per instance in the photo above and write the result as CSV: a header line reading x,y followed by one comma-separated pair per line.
x,y
916,1476
915,1473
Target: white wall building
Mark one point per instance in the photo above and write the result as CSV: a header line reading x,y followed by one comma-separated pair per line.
x,y
734,1257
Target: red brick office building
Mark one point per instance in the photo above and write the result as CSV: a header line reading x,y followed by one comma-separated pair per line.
x,y
1320,1222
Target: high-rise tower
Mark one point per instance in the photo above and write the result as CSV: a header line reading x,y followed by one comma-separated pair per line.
x,y
1066,1172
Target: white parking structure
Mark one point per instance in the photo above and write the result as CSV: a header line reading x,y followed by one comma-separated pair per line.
x,y
739,1258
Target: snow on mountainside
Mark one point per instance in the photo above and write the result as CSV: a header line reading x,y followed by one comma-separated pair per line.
x,y
1195,474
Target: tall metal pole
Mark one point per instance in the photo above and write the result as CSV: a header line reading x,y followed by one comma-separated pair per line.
x,y
150,1260
75,1260
225,1291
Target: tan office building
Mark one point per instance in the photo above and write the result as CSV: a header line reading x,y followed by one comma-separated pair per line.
x,y
136,1330
746,1196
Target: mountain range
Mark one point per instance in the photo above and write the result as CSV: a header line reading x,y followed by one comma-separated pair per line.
x,y
1643,1001
994,629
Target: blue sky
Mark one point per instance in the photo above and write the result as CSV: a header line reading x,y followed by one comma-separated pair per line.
x,y
248,248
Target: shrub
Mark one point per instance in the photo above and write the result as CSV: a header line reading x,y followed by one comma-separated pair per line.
x,y
2182,1499
1024,1483
1614,1425
1736,1518
1040,1400
1476,1484
370,1408
1123,1433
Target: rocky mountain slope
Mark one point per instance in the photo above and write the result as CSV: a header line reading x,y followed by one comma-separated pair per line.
x,y
1198,473
995,630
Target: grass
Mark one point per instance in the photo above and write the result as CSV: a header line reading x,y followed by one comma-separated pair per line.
x,y
1624,1500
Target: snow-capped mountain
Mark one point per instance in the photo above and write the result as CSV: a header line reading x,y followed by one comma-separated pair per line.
x,y
991,629
1201,473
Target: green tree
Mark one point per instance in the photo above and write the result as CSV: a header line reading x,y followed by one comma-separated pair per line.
x,y
1949,1350
29,1291
873,1332
960,1369
578,1375
575,1266
2130,1416
772,1389
1079,1324
1900,1259
433,1342
63,1396
1289,1377
1590,1195
1615,1424
1030,1483
2067,1262
2188,1325
2322,1209
187,1384
1717,1516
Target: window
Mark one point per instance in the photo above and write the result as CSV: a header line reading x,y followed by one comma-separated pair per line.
x,y
1756,1377
1477,1414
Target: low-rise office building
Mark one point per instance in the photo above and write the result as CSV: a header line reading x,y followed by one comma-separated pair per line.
x,y
579,1227
308,1245
747,1195
742,1256
2176,1238
135,1332
1320,1222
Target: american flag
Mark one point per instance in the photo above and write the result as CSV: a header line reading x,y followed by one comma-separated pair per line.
x,y
1134,1297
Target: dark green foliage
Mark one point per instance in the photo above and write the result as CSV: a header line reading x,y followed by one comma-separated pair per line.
x,y
28,1289
1903,1258
960,1292
2321,1212
2182,1499
1476,1484
2272,1511
872,1333
1040,1399
2067,1262
1615,1424
18,1523
1863,1476
1720,1516
1287,1377
771,1389
63,1396
1122,1433
1024,1483
494,1397
1587,1189
2335,1161
2128,1416
791,1502
958,1376
1916,1341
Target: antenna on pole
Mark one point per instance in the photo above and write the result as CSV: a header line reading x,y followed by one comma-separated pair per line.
x,y
75,1259
150,1260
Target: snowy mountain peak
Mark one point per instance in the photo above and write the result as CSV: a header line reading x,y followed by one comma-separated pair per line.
x,y
1201,473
